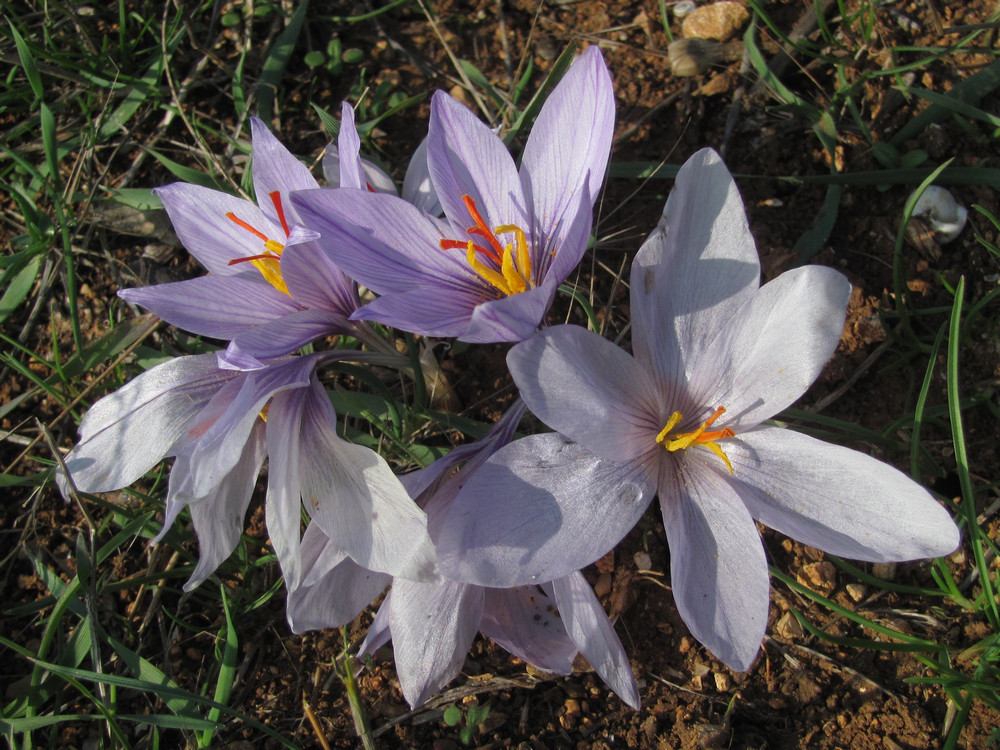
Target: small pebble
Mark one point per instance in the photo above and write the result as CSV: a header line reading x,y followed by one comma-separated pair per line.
x,y
857,591
719,21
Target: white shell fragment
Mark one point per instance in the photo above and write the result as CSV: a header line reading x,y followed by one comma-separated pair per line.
x,y
944,214
684,8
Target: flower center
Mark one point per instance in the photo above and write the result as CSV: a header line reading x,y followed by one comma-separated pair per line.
x,y
702,436
505,267
268,262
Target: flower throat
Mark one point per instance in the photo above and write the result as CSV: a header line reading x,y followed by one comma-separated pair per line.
x,y
702,436
505,267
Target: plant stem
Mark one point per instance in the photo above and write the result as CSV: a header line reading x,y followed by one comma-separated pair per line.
x,y
345,670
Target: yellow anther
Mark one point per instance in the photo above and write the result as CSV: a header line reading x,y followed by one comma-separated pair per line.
x,y
488,274
701,436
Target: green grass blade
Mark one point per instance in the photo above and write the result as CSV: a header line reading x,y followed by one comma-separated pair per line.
x,y
277,60
972,530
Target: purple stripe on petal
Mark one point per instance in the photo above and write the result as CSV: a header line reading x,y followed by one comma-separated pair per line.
x,y
216,306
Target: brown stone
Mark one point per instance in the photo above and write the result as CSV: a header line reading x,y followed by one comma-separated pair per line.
x,y
720,21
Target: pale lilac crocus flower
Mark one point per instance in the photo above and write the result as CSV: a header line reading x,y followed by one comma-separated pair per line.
x,y
269,289
714,355
213,421
489,270
432,625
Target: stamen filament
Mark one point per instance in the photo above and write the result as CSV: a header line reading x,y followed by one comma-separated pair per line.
x,y
494,278
701,436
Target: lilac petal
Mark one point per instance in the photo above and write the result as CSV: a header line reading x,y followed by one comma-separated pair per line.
x,y
465,157
426,310
432,626
375,176
588,389
591,631
775,347
540,508
717,567
352,173
512,318
276,170
383,242
218,518
338,594
692,273
288,333
557,254
283,504
418,188
217,439
837,499
567,152
315,281
523,620
378,632
129,431
216,306
199,218
351,492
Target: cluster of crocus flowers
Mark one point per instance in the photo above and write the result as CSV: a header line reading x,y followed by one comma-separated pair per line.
x,y
492,537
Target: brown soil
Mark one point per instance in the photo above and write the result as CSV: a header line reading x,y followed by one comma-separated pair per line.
x,y
803,691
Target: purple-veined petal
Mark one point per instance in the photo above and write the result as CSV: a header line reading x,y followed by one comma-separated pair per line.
x,y
315,281
216,306
425,310
692,273
129,431
523,620
465,157
199,217
383,242
512,318
567,151
773,349
837,499
351,492
375,176
276,170
588,389
283,504
218,518
558,253
337,594
538,509
352,173
288,333
432,626
591,631
418,188
718,571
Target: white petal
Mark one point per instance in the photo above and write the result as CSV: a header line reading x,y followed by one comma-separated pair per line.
x,y
692,273
837,499
127,432
774,348
351,492
538,509
219,518
717,566
335,589
524,621
588,389
432,626
590,629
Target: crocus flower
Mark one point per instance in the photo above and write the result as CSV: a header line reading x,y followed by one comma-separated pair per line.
x,y
489,270
269,290
714,355
212,420
432,625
